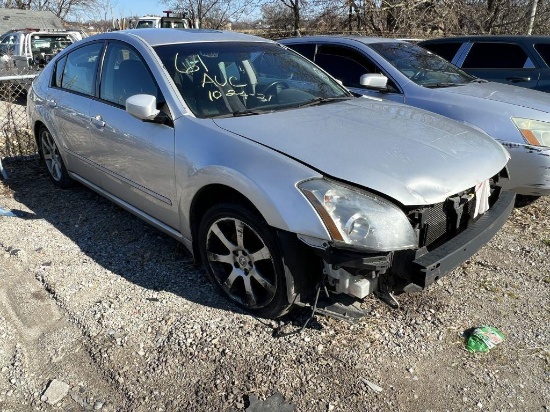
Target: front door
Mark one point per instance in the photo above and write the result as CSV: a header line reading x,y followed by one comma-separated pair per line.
x,y
136,158
348,65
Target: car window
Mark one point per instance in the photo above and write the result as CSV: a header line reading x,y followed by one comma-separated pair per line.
x,y
306,50
7,45
544,50
421,66
226,78
58,72
49,44
9,39
445,50
145,24
173,23
80,68
345,64
496,56
124,74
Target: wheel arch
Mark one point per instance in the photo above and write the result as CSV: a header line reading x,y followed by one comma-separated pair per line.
x,y
36,129
302,267
209,196
273,196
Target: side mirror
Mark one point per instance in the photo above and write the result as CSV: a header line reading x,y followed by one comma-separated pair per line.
x,y
374,81
142,106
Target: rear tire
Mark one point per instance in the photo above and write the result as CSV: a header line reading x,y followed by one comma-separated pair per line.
x,y
242,257
49,152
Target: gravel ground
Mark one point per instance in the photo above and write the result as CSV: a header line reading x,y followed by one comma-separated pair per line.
x,y
99,311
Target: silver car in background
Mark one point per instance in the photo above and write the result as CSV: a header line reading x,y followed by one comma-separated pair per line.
x,y
397,70
270,172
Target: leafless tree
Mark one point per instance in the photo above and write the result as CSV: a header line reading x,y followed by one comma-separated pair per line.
x,y
16,4
276,17
61,8
214,14
295,7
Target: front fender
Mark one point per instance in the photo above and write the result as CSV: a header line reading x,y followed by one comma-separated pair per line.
x,y
207,155
278,200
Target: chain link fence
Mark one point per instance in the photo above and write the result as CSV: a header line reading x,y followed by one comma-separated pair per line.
x,y
16,139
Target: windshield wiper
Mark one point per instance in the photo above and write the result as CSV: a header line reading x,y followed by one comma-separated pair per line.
x,y
479,81
321,100
438,85
246,112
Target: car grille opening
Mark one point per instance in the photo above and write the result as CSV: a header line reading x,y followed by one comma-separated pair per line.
x,y
441,222
438,223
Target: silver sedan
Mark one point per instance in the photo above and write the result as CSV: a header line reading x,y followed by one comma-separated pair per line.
x,y
399,71
270,172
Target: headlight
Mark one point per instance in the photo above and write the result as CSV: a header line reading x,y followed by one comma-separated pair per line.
x,y
534,132
359,218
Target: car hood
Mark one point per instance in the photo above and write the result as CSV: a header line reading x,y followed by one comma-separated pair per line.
x,y
503,93
411,155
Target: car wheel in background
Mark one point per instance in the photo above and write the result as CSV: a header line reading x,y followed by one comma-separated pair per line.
x,y
52,158
241,256
525,200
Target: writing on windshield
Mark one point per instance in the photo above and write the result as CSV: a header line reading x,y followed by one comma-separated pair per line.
x,y
228,78
226,86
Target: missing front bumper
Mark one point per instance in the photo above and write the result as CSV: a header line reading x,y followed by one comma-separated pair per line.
x,y
429,267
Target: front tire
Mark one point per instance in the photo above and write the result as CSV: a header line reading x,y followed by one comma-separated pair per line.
x,y
49,151
242,258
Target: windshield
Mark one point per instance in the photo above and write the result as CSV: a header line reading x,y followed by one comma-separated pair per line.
x,y
421,66
6,49
173,23
236,78
49,44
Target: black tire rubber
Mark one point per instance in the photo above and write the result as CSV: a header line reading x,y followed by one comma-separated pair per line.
x,y
274,306
525,200
60,177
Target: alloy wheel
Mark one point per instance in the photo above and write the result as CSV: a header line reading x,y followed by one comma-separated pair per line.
x,y
241,262
51,155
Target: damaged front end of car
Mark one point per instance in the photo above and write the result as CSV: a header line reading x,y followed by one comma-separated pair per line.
x,y
381,249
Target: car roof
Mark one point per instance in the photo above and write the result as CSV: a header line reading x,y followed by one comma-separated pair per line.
x,y
498,38
157,37
362,39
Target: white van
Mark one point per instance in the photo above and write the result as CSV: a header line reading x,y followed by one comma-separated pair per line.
x,y
178,21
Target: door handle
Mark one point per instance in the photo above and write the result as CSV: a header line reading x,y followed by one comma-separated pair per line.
x,y
52,104
517,79
97,121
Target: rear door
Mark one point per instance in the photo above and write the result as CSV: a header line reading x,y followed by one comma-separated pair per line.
x,y
509,63
136,158
72,91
